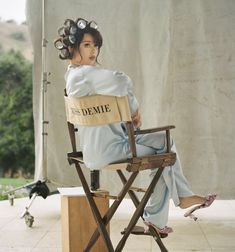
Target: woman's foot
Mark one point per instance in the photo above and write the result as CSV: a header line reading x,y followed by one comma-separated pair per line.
x,y
206,203
165,230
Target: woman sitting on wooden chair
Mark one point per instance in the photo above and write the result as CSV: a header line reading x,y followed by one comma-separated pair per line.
x,y
80,43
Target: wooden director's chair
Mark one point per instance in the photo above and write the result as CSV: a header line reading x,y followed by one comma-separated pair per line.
x,y
98,110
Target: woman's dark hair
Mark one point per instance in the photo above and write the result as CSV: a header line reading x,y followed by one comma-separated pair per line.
x,y
71,35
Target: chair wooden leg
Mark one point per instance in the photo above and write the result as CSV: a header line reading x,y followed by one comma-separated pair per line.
x,y
131,193
107,217
100,225
136,202
157,238
139,210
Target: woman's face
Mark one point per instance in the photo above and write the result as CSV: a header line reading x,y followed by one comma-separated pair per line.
x,y
87,53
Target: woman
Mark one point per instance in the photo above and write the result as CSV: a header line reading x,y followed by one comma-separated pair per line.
x,y
80,42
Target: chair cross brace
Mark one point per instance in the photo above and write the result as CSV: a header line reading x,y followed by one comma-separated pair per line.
x,y
136,202
102,222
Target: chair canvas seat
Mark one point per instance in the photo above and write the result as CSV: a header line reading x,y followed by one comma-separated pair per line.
x,y
137,163
118,166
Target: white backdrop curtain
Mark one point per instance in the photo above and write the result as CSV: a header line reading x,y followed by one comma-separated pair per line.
x,y
180,55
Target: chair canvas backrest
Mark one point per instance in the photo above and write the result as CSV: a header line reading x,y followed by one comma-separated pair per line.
x,y
97,109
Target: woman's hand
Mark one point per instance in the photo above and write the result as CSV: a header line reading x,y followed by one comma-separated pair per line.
x,y
136,119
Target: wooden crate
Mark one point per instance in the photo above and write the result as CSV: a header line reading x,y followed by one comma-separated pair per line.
x,y
78,223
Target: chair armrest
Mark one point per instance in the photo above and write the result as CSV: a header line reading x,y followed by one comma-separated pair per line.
x,y
144,131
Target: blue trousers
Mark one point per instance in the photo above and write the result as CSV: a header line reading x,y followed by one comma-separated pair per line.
x,y
172,183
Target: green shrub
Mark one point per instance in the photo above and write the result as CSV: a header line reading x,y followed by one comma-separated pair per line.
x,y
16,115
18,36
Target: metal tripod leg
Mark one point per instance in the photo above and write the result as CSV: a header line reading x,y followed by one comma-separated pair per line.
x,y
29,219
